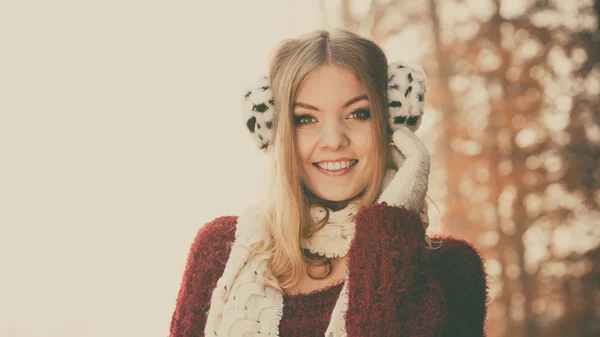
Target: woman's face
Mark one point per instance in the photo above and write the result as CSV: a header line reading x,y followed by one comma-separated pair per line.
x,y
334,133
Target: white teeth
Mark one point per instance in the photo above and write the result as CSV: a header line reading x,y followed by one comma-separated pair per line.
x,y
337,165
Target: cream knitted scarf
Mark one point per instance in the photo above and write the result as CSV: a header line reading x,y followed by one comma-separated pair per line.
x,y
242,306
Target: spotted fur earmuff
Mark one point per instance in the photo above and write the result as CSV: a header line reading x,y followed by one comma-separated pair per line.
x,y
407,85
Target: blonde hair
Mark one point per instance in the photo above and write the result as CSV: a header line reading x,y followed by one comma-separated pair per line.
x,y
288,203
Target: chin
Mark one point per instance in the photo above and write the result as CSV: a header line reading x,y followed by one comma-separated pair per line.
x,y
342,189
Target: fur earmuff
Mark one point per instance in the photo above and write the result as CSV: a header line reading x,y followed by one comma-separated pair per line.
x,y
259,110
407,85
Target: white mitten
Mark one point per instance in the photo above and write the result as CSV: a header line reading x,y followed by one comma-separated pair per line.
x,y
409,185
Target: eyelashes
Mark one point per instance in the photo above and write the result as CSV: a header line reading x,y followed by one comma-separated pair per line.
x,y
364,113
360,114
302,119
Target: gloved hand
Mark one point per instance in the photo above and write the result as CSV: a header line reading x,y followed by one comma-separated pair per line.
x,y
409,185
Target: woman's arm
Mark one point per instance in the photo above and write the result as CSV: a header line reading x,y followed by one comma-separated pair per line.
x,y
391,291
205,264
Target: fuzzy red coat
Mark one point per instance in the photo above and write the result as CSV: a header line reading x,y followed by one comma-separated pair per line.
x,y
397,287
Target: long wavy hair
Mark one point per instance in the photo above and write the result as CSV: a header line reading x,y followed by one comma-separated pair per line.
x,y
287,212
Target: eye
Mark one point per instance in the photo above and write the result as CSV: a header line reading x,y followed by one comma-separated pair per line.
x,y
303,119
361,114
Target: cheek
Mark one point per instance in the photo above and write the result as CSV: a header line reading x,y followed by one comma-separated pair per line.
x,y
304,144
365,141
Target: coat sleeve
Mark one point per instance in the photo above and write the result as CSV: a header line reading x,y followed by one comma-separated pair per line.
x,y
459,267
205,264
390,288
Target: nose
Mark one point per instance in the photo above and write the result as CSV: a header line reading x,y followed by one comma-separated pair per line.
x,y
334,136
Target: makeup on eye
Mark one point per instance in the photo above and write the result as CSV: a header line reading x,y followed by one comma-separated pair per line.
x,y
360,113
299,118
365,113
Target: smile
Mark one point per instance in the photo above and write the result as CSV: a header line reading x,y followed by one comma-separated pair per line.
x,y
336,168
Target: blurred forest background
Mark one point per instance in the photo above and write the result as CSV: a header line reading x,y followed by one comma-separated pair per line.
x,y
514,98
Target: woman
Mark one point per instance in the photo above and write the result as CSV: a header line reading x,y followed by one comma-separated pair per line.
x,y
339,248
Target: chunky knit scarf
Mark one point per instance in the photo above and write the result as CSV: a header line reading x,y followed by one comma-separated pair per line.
x,y
242,306
240,303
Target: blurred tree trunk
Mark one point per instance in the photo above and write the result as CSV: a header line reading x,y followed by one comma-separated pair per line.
x,y
456,206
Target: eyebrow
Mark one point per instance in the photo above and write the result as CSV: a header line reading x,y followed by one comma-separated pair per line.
x,y
349,103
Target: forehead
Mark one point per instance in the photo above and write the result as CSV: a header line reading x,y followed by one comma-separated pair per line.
x,y
330,85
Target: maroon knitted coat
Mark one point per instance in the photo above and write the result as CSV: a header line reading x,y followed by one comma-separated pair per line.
x,y
397,287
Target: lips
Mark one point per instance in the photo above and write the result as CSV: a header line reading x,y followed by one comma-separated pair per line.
x,y
338,172
334,165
